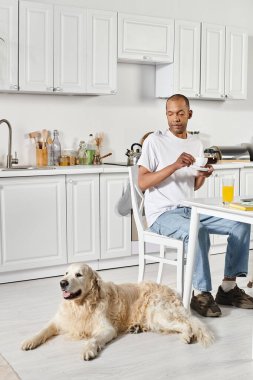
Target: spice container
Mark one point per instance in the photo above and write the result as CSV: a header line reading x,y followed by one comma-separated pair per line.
x,y
71,156
64,161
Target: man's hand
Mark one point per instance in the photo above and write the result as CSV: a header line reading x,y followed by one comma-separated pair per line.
x,y
185,159
201,176
207,173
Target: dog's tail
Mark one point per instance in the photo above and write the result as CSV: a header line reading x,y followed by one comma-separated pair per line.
x,y
201,333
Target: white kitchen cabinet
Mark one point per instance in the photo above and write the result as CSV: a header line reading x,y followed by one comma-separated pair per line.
x,y
212,75
52,48
182,76
101,52
83,229
9,45
115,229
35,46
69,49
66,49
236,63
246,188
33,222
246,182
145,39
210,62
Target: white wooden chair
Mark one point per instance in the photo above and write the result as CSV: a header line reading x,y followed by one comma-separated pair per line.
x,y
145,236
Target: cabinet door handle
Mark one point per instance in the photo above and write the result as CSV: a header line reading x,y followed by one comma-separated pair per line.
x,y
57,89
147,58
50,89
72,182
13,87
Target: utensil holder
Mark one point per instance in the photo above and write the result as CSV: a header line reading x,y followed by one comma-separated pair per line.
x,y
41,156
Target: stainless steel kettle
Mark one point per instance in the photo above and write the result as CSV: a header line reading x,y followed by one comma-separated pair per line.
x,y
133,155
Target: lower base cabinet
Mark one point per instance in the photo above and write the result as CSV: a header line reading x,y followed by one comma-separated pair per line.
x,y
49,221
115,229
83,232
33,222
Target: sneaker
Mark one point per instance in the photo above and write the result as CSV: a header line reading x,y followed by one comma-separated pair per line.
x,y
235,297
205,305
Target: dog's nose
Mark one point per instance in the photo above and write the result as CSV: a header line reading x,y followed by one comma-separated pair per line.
x,y
64,284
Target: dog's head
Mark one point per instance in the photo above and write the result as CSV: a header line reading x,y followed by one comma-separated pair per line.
x,y
80,281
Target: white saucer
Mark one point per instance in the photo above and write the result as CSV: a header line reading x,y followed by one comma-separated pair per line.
x,y
199,168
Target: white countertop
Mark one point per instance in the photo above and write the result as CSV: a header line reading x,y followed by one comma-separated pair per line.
x,y
62,170
93,169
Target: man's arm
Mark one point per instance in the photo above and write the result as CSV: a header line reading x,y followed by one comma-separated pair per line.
x,y
147,179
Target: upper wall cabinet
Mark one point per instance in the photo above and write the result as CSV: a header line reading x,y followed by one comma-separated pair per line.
x,y
236,63
9,45
35,47
73,51
69,49
145,39
62,49
207,61
212,74
101,52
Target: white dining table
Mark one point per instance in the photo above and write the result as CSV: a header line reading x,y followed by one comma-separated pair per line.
x,y
212,207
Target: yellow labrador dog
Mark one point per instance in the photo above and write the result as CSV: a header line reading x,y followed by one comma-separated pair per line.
x,y
98,312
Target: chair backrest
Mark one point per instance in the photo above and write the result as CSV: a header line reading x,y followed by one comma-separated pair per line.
x,y
137,198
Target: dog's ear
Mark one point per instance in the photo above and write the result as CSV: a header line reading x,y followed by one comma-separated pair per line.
x,y
96,281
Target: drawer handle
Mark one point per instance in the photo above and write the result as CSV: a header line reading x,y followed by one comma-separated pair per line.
x,y
147,58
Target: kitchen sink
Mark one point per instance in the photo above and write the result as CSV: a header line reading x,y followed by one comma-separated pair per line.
x,y
28,167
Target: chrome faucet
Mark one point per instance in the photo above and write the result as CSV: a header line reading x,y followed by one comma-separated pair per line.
x,y
9,157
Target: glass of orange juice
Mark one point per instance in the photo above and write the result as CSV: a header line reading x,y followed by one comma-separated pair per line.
x,y
227,190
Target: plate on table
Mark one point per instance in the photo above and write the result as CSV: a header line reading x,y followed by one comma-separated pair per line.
x,y
200,168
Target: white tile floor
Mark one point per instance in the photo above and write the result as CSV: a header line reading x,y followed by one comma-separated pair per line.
x,y
27,306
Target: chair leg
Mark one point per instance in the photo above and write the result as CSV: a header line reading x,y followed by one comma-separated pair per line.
x,y
160,268
141,260
180,271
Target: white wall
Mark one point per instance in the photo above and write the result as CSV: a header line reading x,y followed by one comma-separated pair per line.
x,y
126,116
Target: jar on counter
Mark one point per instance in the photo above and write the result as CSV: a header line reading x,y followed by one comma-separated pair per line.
x,y
81,154
64,161
71,156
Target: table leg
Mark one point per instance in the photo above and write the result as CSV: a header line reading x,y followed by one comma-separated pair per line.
x,y
193,236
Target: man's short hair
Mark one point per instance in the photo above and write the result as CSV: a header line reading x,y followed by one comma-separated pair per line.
x,y
179,96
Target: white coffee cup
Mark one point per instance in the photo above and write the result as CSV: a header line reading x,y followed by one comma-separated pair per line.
x,y
200,161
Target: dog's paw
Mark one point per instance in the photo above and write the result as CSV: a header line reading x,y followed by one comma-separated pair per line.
x,y
188,338
135,329
29,344
91,349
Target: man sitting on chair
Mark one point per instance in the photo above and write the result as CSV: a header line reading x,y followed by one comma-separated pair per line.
x,y
166,175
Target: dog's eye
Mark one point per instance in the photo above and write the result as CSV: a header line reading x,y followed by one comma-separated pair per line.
x,y
78,275
66,273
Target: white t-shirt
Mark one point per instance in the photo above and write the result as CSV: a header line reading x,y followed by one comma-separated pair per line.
x,y
159,150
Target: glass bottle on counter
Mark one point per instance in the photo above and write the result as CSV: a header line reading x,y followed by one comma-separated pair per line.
x,y
81,153
50,159
90,150
56,148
